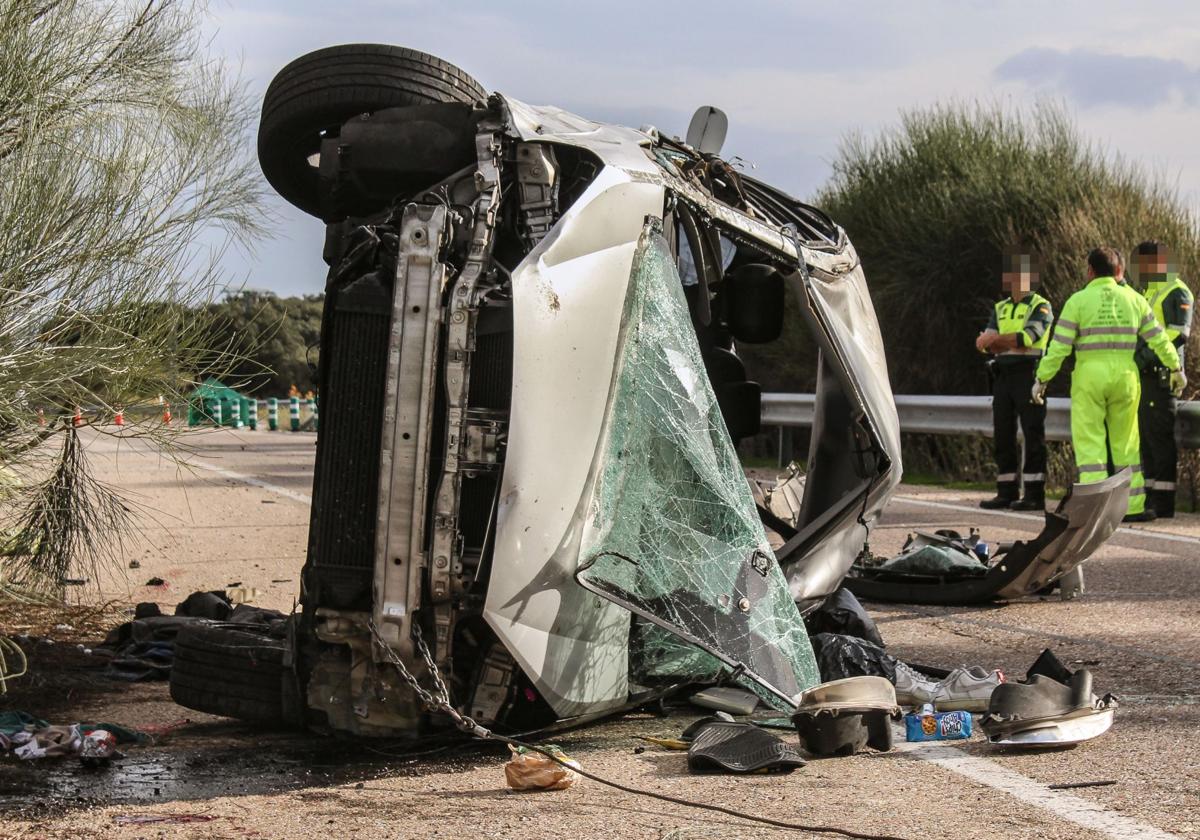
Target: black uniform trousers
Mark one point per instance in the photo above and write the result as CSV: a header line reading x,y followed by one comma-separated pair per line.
x,y
1156,428
1012,403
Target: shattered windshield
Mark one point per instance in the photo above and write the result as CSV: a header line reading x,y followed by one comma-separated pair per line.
x,y
672,531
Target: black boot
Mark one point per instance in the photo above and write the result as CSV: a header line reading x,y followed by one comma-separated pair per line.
x,y
998,502
1146,515
1035,497
1162,502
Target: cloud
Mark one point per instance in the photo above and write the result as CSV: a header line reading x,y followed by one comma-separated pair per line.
x,y
1095,79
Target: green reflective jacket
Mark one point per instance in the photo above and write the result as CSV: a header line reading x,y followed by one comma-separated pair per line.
x,y
1102,322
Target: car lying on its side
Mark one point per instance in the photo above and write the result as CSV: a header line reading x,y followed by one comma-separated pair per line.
x,y
526,479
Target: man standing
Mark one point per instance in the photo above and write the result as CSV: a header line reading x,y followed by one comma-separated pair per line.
x,y
1102,322
1016,336
1171,302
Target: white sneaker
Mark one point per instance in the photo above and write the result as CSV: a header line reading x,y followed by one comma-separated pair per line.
x,y
912,687
966,689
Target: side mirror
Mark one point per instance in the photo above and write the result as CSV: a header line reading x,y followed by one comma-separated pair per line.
x,y
706,133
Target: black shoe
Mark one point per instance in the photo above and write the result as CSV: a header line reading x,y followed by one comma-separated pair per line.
x,y
997,503
1145,516
1028,504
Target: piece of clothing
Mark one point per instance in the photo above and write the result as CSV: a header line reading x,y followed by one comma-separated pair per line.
x,y
1101,324
1102,321
1104,396
1156,427
1171,302
1029,319
1012,404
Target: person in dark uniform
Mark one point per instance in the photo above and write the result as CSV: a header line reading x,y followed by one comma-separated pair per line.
x,y
1171,302
1016,338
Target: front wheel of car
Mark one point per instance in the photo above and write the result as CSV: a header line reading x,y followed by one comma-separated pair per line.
x,y
317,92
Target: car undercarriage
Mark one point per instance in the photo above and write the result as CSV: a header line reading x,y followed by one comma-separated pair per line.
x,y
531,396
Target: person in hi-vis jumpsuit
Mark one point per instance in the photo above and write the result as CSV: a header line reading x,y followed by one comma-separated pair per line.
x,y
1101,323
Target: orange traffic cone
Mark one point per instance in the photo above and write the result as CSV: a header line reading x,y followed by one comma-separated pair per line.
x,y
77,420
119,417
167,413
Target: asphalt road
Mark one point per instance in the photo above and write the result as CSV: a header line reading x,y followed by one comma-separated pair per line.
x,y
239,516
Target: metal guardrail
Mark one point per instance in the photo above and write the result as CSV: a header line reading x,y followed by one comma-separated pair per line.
x,y
938,415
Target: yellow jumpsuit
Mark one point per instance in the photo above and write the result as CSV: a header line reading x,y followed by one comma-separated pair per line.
x,y
1101,323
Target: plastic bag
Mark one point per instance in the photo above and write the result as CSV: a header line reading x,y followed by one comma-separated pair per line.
x,y
529,770
840,656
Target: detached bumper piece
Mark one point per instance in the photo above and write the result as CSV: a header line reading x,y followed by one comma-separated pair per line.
x,y
1082,522
840,718
1046,713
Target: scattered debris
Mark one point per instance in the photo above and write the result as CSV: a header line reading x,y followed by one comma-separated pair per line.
x,y
928,725
735,701
839,718
666,743
1052,707
135,564
740,748
155,581
97,748
1074,785
530,770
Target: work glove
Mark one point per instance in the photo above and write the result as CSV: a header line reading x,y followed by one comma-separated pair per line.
x,y
1038,394
1178,382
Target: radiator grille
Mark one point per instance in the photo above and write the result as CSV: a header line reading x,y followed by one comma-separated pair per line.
x,y
340,567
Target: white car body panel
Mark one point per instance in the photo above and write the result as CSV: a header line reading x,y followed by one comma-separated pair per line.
x,y
568,297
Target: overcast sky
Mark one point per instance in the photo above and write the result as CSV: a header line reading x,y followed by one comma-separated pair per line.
x,y
794,77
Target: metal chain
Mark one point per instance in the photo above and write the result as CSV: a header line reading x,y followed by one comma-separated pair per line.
x,y
439,702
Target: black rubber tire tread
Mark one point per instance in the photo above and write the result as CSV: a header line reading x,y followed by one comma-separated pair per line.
x,y
230,672
325,88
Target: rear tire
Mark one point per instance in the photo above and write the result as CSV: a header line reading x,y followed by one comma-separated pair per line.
x,y
320,91
231,672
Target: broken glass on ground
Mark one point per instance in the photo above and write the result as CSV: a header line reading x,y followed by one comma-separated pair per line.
x,y
673,534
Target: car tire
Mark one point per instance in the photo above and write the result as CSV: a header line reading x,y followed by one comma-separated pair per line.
x,y
232,672
321,90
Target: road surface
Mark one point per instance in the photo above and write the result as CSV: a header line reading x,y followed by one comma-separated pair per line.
x,y
239,515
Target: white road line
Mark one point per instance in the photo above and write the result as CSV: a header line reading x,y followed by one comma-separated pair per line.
x,y
1082,812
1033,517
255,482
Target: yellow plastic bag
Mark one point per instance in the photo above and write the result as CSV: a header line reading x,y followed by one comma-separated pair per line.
x,y
529,770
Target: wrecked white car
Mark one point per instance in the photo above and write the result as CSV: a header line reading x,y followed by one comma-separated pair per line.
x,y
526,479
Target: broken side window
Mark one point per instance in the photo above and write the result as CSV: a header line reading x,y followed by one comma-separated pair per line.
x,y
672,531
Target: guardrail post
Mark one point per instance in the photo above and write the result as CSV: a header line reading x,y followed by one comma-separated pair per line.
x,y
273,414
294,412
312,411
217,413
235,412
253,418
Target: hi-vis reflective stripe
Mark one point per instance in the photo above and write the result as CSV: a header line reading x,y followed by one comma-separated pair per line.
x,y
1067,325
1006,477
1066,341
1093,468
1023,351
1151,333
1160,485
1107,345
1033,476
1108,331
1137,491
